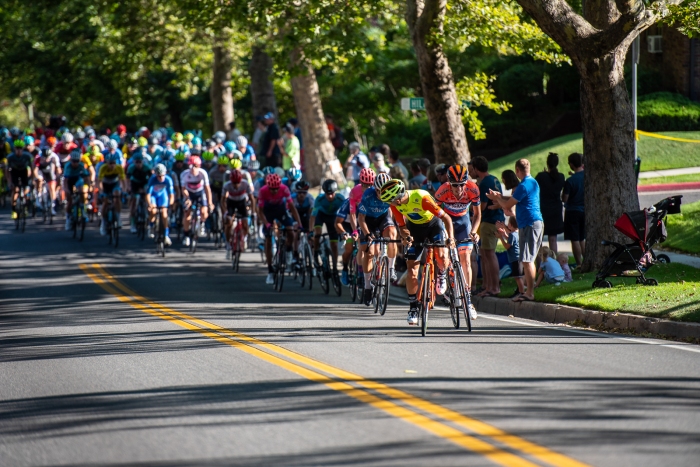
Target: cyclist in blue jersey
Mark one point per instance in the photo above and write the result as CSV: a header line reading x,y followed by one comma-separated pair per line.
x,y
75,175
374,216
293,176
326,206
159,196
138,174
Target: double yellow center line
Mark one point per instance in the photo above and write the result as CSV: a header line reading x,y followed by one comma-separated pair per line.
x,y
431,417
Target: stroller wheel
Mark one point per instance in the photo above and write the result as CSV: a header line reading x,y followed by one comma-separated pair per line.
x,y
602,284
663,259
651,281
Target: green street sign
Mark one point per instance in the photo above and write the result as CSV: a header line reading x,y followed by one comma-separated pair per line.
x,y
418,103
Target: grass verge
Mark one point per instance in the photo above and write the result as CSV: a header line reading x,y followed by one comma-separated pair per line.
x,y
656,154
672,179
684,229
677,297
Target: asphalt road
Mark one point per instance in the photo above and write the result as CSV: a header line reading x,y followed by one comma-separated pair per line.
x,y
119,357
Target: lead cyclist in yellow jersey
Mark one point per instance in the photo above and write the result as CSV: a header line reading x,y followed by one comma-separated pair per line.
x,y
113,181
419,218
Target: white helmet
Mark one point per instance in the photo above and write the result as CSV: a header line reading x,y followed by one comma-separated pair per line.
x,y
242,142
160,169
67,137
113,144
380,180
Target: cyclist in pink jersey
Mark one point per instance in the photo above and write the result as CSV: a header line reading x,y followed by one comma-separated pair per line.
x,y
274,204
366,180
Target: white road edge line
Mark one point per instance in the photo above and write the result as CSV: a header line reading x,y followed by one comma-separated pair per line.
x,y
522,321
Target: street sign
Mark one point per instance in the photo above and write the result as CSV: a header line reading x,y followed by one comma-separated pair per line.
x,y
418,103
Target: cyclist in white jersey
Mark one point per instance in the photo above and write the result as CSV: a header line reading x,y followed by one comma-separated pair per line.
x,y
195,188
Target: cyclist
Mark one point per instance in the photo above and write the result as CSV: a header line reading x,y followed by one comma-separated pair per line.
x,y
20,168
326,207
47,169
113,151
218,176
293,176
75,175
237,197
374,216
138,173
457,196
112,182
64,148
419,218
367,176
304,205
247,151
160,195
344,227
194,183
208,160
275,203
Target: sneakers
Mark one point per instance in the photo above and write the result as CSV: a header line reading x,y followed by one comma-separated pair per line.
x,y
202,231
228,254
413,313
290,258
440,283
103,228
150,232
167,241
133,228
393,276
186,241
68,222
270,279
53,211
367,298
344,277
472,312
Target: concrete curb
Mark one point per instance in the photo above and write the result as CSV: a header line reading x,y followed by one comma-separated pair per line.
x,y
620,322
668,187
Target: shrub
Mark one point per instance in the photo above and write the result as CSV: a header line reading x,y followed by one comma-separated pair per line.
x,y
665,111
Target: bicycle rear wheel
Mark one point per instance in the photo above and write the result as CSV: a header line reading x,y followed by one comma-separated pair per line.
x,y
454,297
324,275
352,279
463,295
425,299
115,231
81,220
384,284
308,265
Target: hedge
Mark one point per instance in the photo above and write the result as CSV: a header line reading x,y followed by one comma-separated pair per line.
x,y
665,111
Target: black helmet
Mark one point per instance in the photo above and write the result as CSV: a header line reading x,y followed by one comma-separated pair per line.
x,y
329,186
302,185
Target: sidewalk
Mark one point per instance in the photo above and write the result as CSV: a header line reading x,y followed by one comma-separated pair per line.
x,y
670,172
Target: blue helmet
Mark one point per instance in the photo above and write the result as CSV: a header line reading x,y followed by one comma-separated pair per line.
x,y
138,156
230,146
28,140
196,141
294,174
268,170
111,157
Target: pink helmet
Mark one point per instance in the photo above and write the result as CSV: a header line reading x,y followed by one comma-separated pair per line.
x,y
196,161
273,181
367,176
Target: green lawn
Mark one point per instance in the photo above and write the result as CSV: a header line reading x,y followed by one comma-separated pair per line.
x,y
677,297
684,229
656,154
673,179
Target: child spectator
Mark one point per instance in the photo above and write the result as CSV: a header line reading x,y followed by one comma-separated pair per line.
x,y
550,270
563,260
508,234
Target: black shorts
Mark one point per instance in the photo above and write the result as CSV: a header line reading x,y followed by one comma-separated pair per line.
x,y
239,207
376,224
575,226
198,197
433,231
19,177
280,215
49,176
137,187
329,221
304,218
516,269
110,188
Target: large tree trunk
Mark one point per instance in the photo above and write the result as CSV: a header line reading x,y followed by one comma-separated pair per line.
x,y
262,91
220,91
425,17
608,145
318,150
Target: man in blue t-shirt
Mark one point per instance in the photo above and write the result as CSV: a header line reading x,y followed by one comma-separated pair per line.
x,y
575,216
479,168
526,200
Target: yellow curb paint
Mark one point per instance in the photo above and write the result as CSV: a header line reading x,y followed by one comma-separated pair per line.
x,y
669,138
110,284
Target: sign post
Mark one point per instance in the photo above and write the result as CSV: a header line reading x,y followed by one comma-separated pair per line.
x,y
418,103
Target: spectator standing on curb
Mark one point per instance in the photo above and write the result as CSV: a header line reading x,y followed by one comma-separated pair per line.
x,y
526,199
575,217
289,146
396,173
258,134
393,158
418,178
357,161
551,183
508,234
233,132
489,217
297,132
271,149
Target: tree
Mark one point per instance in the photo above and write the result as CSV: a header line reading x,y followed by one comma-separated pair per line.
x,y
425,20
262,91
220,90
597,42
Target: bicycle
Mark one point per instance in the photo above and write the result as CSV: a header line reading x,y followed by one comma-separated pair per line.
x,y
325,275
78,216
459,295
112,223
195,225
235,242
426,284
355,278
21,209
159,237
305,266
380,274
216,231
279,260
177,216
46,204
141,216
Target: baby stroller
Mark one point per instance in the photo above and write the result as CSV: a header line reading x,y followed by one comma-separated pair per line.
x,y
646,228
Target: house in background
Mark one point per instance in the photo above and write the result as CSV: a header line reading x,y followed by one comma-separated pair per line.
x,y
675,57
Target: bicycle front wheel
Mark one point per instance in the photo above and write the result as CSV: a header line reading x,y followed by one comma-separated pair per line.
x,y
463,295
309,265
454,298
324,275
425,299
383,291
352,279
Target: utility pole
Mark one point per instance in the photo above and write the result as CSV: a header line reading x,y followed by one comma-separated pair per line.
x,y
635,63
